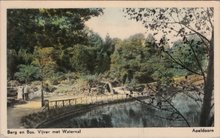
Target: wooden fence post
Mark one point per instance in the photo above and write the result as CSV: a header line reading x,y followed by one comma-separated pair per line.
x,y
55,104
46,104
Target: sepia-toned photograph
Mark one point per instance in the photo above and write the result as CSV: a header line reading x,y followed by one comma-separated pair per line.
x,y
110,67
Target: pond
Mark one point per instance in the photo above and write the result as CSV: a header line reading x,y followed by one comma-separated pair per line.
x,y
136,114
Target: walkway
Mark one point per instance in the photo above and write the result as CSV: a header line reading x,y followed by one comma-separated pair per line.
x,y
14,114
18,111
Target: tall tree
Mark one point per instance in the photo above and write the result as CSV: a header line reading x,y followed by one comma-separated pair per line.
x,y
46,27
104,55
184,22
57,28
130,59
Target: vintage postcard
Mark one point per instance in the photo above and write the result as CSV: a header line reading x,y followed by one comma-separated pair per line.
x,y
109,69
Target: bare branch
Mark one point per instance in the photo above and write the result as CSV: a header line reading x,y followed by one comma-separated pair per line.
x,y
198,63
150,104
183,66
199,34
178,18
190,96
177,111
170,119
172,112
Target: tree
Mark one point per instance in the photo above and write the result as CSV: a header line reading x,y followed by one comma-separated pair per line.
x,y
46,27
104,55
129,60
182,23
57,28
11,63
150,43
44,60
183,52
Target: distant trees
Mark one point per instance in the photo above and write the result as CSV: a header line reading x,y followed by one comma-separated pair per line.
x,y
183,23
127,58
104,55
140,60
183,51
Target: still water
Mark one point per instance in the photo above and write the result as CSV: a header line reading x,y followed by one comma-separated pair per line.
x,y
136,114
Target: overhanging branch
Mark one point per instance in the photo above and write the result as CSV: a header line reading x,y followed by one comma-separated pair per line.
x,y
183,66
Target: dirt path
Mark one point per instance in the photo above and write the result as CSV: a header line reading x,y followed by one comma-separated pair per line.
x,y
14,114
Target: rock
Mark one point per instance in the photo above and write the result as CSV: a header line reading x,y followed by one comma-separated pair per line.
x,y
13,83
11,91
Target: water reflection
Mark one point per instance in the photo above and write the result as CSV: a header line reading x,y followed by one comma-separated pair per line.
x,y
135,114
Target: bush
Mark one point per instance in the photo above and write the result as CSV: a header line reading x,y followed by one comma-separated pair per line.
x,y
28,73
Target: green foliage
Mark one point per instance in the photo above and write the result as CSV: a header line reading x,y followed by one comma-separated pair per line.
x,y
42,37
87,81
186,52
104,55
190,25
44,60
184,23
82,58
129,60
24,56
28,73
54,45
58,43
47,27
12,62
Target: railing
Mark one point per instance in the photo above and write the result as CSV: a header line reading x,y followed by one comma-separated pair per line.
x,y
102,99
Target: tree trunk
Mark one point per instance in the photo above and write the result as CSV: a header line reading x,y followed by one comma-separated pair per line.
x,y
42,94
208,87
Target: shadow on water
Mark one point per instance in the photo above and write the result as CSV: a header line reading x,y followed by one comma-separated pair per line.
x,y
134,114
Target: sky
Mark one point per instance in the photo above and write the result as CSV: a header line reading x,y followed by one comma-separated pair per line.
x,y
114,23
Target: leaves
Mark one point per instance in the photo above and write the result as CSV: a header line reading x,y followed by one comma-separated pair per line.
x,y
182,51
41,36
28,73
184,20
